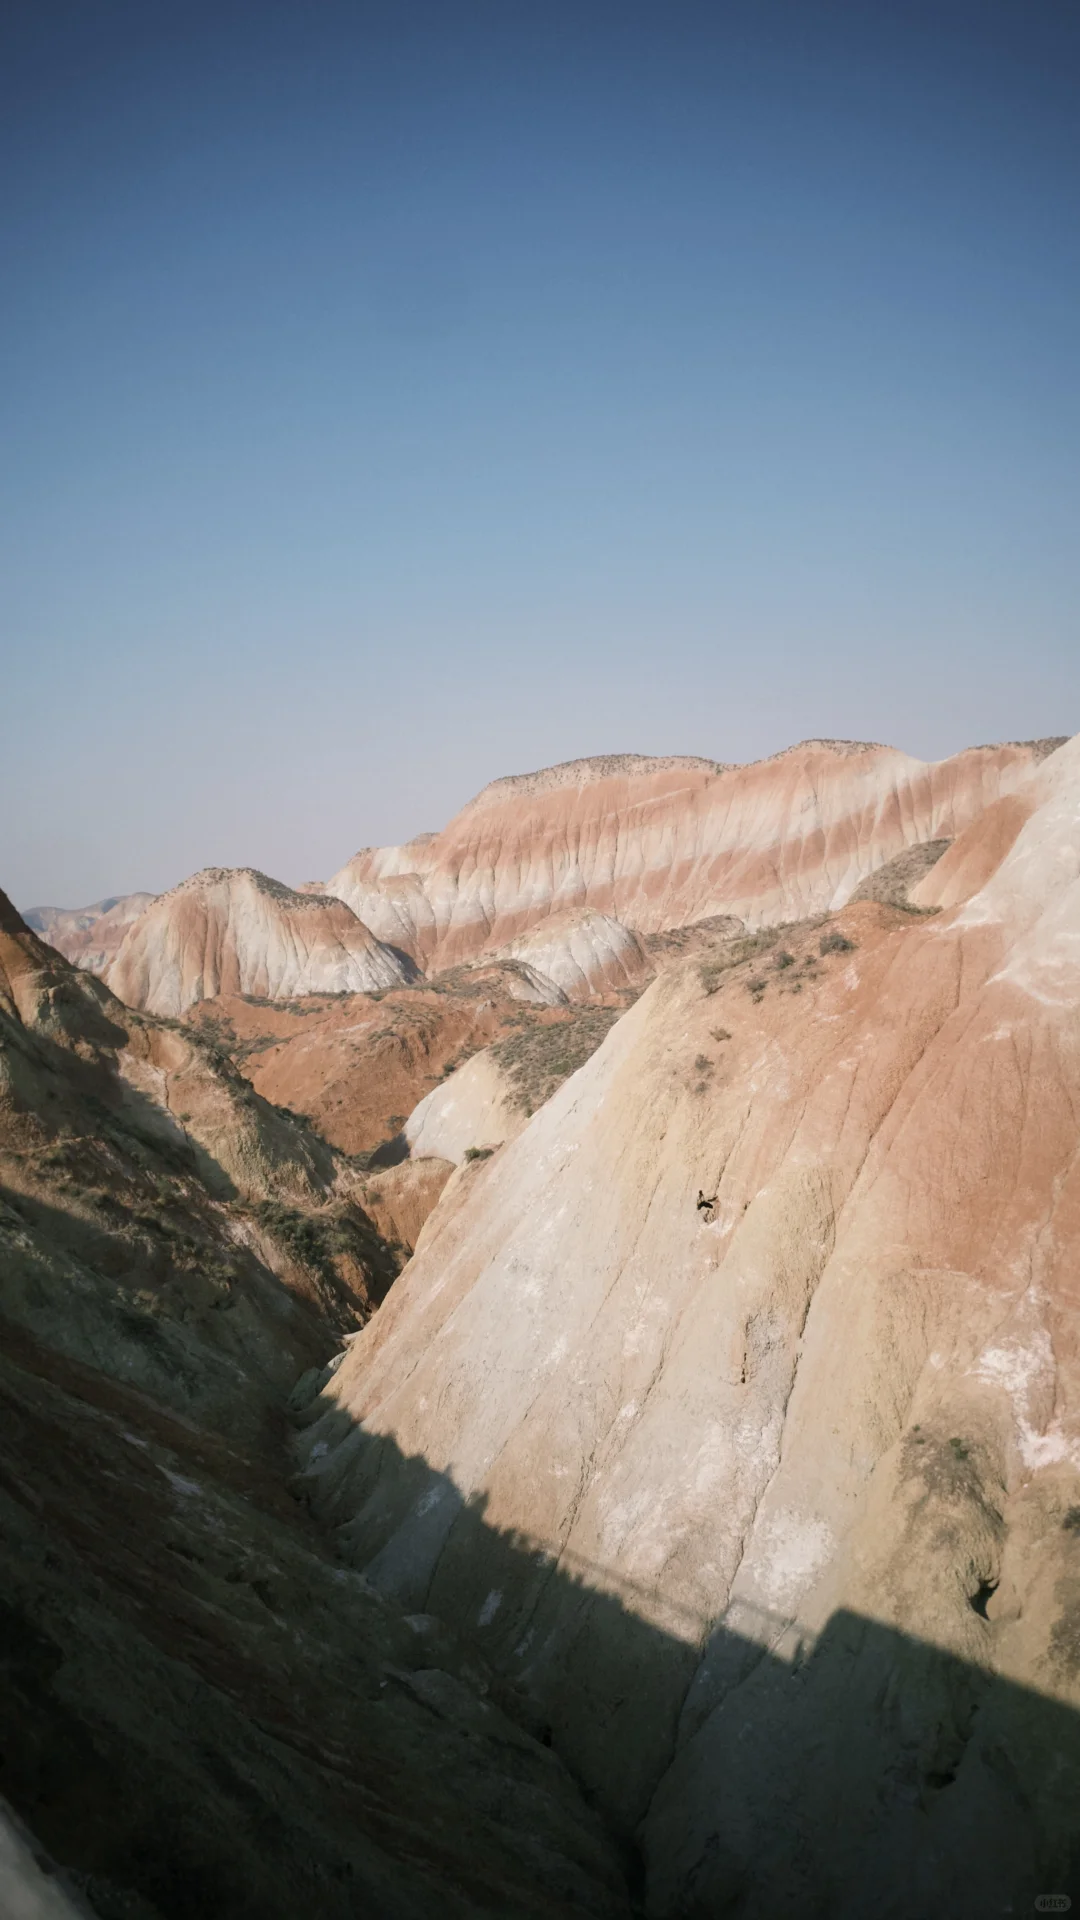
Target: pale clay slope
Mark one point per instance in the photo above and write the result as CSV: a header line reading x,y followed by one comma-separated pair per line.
x,y
656,844
584,953
474,1108
230,930
853,1394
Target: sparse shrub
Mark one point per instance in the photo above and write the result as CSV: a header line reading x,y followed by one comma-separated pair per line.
x,y
783,960
479,1153
464,1053
539,1058
835,943
735,954
258,1045
313,1241
703,1064
720,1033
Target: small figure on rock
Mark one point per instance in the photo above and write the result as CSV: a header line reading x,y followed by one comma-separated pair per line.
x,y
706,1206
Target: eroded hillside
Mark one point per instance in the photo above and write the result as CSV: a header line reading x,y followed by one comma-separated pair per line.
x,y
659,844
732,1407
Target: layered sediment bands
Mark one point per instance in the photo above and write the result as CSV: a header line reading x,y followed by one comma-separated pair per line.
x,y
657,844
89,936
231,930
845,1391
967,864
586,954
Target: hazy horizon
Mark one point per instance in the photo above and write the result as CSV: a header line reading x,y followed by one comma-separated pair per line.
x,y
398,397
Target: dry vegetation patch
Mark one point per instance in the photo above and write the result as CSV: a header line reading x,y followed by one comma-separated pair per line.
x,y
735,953
540,1057
891,883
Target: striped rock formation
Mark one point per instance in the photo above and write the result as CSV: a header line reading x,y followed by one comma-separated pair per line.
x,y
661,843
772,1506
232,930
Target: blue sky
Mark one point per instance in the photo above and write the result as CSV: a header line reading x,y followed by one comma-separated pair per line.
x,y
392,397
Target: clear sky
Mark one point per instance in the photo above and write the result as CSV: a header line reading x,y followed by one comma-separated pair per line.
x,y
395,396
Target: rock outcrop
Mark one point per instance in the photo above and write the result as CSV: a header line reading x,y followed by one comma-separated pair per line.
x,y
232,930
771,1504
661,843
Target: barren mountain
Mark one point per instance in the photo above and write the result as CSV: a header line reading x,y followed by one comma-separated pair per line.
x,y
661,843
231,930
734,1406
89,936
557,872
474,1111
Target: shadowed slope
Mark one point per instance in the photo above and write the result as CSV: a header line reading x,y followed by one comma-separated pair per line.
x,y
201,1714
204,1714
157,1218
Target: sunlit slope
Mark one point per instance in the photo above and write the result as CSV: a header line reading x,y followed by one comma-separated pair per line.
x,y
850,1383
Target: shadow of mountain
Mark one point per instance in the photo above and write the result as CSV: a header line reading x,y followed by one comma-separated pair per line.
x,y
204,1715
389,1153
756,1769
